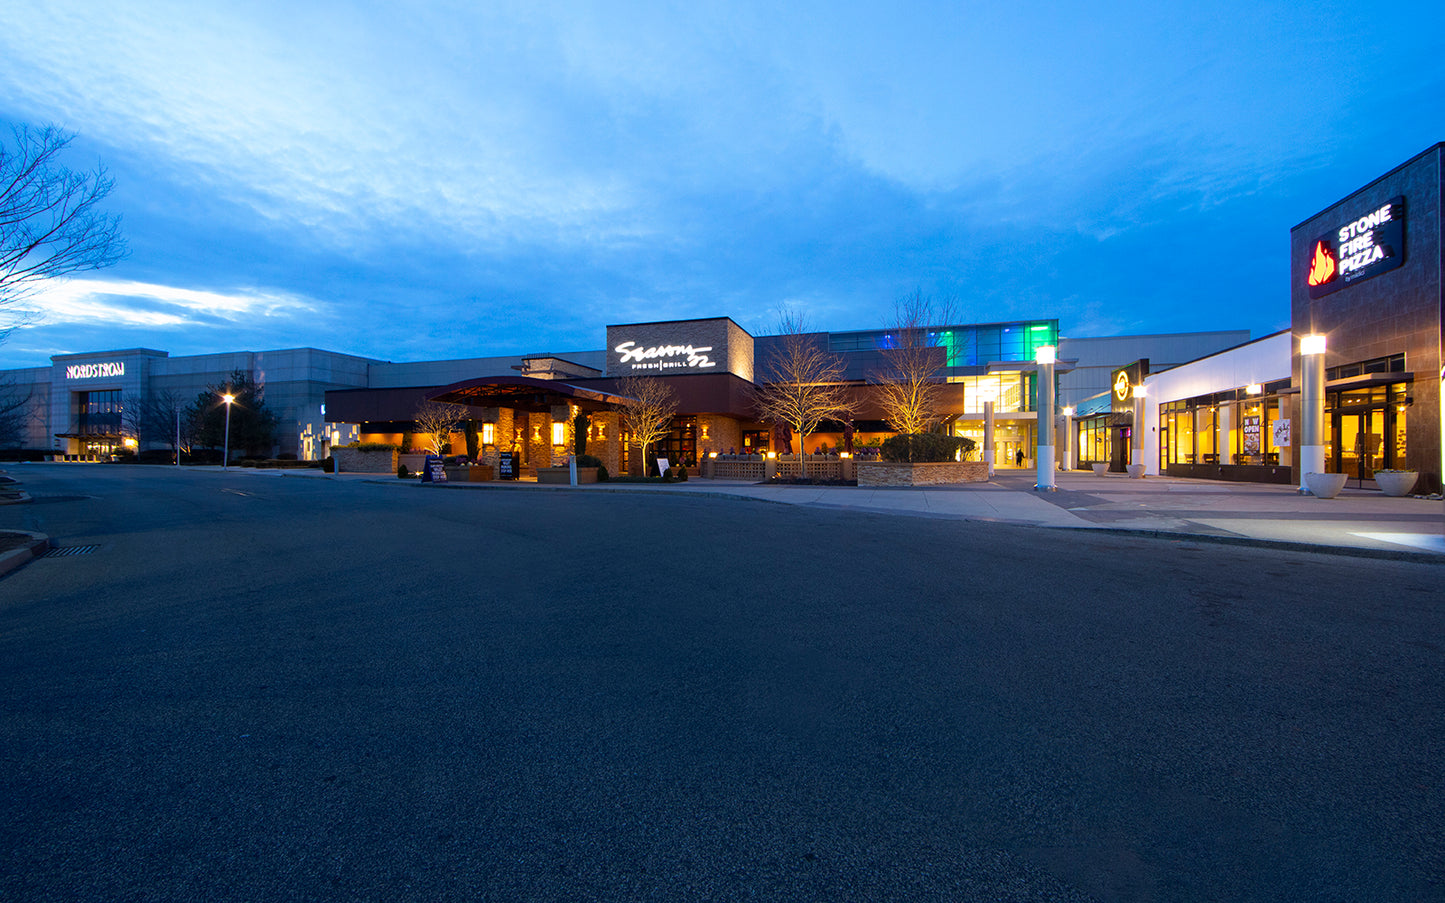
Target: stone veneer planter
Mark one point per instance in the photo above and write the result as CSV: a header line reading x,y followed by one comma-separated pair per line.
x,y
889,473
355,460
563,475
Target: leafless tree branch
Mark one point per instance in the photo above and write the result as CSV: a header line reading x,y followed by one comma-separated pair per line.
x,y
50,222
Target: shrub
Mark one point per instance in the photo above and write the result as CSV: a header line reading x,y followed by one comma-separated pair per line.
x,y
926,448
402,472
371,446
592,461
327,464
157,456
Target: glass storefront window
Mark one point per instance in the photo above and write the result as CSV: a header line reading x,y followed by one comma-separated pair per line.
x,y
1009,391
1205,431
1182,431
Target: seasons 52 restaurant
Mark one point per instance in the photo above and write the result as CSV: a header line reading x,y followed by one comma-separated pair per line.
x,y
711,367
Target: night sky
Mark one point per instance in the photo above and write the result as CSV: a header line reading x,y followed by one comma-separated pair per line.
x,y
413,181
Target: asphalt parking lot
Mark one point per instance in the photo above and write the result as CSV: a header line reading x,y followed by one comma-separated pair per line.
x,y
276,689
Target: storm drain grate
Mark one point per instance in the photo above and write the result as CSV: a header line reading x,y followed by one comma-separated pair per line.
x,y
67,551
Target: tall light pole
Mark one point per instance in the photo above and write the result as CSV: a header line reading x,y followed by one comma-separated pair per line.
x,y
1045,358
1312,407
226,452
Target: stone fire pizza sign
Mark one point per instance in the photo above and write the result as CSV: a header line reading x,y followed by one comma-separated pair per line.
x,y
1368,245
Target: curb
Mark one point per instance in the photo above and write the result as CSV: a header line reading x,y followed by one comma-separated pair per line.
x,y
38,545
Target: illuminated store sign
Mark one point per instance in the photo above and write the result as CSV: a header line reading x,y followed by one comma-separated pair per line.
x,y
1121,386
1366,246
1125,381
657,357
95,371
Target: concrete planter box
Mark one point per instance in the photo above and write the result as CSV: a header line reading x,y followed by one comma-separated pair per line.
x,y
354,460
1325,485
888,473
1100,469
1396,482
1136,471
562,476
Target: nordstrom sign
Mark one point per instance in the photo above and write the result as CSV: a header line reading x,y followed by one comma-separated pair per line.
x,y
95,371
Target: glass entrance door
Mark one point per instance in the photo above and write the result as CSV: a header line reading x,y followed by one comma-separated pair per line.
x,y
1357,443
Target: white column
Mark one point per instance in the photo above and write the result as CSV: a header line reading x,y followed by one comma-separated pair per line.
x,y
1070,443
1139,429
1312,407
1045,456
988,435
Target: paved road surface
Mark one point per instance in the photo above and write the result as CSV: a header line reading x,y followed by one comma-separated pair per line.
x,y
268,688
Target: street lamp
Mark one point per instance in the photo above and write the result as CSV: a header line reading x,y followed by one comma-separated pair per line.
x,y
226,453
1045,357
1137,431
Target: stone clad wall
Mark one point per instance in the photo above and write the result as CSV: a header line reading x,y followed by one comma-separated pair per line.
x,y
885,473
354,460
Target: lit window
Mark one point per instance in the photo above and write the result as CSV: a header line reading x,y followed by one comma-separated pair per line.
x,y
489,434
559,433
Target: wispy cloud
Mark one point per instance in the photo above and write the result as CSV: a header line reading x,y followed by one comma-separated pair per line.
x,y
126,304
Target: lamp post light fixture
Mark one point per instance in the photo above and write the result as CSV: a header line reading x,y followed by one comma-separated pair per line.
x,y
1312,407
226,451
1045,358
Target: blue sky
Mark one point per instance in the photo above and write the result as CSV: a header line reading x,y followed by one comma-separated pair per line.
x,y
412,181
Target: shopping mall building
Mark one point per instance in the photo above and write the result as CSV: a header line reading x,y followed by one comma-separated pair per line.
x,y
1365,276
529,403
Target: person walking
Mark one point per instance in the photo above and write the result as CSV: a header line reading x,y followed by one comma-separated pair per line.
x,y
1019,458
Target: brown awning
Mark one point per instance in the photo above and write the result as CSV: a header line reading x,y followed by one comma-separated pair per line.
x,y
522,393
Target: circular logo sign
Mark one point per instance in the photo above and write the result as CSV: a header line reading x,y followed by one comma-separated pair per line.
x,y
1121,386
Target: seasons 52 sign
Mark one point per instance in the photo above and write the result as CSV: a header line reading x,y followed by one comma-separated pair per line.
x,y
664,357
1366,246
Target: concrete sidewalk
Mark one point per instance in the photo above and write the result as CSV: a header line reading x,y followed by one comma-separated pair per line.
x,y
1361,521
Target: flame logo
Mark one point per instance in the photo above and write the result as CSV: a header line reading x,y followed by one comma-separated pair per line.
x,y
1322,268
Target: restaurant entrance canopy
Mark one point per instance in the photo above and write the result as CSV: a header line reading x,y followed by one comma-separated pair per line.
x,y
523,393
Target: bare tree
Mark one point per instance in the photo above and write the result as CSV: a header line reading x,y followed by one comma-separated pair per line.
x,y
15,414
805,386
157,419
50,222
909,389
647,407
438,419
